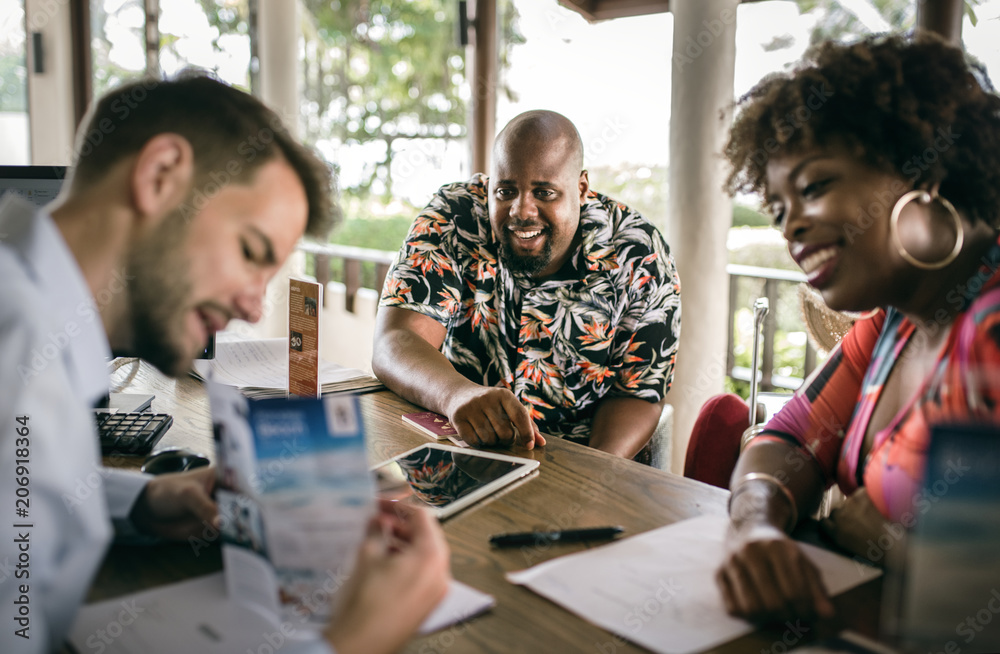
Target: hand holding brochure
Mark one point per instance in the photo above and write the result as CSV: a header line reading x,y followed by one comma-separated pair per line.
x,y
295,497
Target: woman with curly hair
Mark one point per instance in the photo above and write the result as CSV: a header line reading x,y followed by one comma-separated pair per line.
x,y
880,163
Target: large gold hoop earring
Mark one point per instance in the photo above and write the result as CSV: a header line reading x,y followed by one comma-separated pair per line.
x,y
925,198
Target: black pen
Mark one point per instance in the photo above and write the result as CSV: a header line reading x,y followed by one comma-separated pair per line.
x,y
549,537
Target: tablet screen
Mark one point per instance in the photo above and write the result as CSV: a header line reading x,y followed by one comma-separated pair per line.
x,y
439,477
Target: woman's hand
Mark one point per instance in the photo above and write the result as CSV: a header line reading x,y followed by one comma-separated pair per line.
x,y
766,577
857,526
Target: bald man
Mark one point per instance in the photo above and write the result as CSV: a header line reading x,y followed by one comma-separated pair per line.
x,y
524,305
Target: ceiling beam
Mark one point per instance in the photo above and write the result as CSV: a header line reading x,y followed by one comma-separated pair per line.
x,y
594,10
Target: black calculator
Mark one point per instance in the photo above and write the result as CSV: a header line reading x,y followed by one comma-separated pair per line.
x,y
131,433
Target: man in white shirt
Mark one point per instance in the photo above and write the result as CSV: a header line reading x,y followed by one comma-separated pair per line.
x,y
186,198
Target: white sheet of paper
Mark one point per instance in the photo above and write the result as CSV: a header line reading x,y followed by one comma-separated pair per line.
x,y
196,616
658,589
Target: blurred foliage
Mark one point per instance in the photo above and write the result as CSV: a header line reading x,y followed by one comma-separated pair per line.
x,y
744,216
375,233
764,247
645,189
13,80
121,24
385,233
378,71
642,188
840,23
13,63
227,18
115,25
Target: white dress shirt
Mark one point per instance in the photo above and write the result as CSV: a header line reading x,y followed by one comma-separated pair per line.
x,y
53,367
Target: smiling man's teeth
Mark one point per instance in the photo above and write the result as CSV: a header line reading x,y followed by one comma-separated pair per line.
x,y
528,234
817,259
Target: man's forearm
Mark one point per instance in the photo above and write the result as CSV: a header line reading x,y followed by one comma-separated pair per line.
x,y
623,425
416,371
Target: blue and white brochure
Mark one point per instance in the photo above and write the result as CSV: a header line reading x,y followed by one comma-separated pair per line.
x,y
295,498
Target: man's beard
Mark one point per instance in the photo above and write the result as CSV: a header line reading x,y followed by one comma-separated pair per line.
x,y
159,296
527,264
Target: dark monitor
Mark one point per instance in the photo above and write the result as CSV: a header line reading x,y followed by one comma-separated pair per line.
x,y
36,184
209,352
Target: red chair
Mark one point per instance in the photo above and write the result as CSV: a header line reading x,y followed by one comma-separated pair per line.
x,y
715,440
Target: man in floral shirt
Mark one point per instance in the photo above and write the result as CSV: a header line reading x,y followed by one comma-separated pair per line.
x,y
525,304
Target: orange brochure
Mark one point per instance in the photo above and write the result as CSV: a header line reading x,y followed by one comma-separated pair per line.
x,y
305,299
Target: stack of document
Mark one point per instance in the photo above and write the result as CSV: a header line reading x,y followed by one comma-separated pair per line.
x,y
259,368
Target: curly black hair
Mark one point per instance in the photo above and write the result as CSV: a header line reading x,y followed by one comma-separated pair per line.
x,y
915,106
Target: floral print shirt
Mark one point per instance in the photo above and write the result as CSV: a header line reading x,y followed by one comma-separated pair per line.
x,y
607,324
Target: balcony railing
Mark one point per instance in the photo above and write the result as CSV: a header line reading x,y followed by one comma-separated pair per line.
x,y
772,279
352,259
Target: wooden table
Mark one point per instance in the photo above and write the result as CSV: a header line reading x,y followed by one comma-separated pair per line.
x,y
575,486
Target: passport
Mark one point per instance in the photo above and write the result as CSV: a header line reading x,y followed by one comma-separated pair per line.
x,y
434,425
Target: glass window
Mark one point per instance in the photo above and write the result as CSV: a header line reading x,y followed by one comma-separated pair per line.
x,y
14,144
384,99
117,42
982,39
612,79
210,34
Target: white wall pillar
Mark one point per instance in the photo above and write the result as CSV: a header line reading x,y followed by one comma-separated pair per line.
x,y
50,93
704,52
278,34
278,38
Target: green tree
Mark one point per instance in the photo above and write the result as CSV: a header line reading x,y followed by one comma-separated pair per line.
x,y
13,78
116,25
377,72
643,188
842,20
13,67
226,18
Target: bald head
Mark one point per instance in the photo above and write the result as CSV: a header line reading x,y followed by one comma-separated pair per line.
x,y
537,187
541,129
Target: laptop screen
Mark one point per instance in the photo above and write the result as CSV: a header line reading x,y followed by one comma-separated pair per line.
x,y
36,184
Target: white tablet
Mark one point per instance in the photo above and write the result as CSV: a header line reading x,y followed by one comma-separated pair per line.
x,y
447,479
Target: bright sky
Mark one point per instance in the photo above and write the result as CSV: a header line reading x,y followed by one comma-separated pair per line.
x,y
611,78
622,67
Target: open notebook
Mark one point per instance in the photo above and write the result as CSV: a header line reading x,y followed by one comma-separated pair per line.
x,y
259,368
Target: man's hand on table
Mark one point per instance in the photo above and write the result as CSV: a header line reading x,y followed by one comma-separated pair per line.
x,y
176,506
492,417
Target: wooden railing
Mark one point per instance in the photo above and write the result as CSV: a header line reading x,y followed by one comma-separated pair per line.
x,y
352,258
772,278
